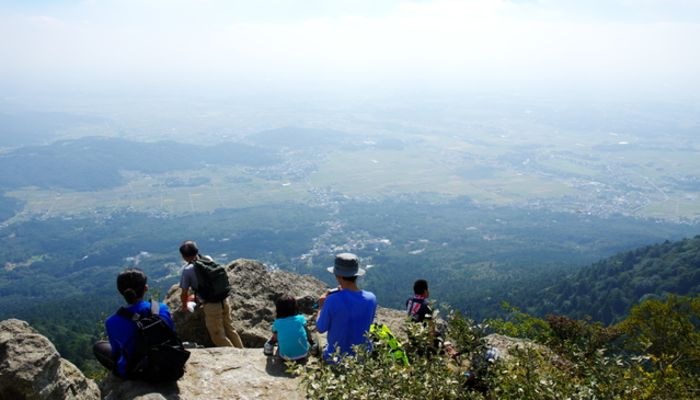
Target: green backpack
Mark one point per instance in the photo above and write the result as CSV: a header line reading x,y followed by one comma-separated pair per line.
x,y
381,333
212,281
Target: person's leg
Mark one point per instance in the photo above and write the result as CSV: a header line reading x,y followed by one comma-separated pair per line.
x,y
231,333
314,348
214,322
302,361
103,352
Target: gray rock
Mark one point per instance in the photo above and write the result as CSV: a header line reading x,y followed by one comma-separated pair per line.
x,y
254,291
215,373
505,345
31,368
394,319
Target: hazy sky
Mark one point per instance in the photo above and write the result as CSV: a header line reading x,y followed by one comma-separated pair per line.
x,y
619,44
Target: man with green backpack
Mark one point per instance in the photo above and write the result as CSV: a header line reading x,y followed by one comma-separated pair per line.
x,y
209,281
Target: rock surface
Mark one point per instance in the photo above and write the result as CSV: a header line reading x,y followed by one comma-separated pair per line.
x,y
31,368
229,373
212,374
506,345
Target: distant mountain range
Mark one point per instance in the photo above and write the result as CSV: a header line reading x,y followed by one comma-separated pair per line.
x,y
24,128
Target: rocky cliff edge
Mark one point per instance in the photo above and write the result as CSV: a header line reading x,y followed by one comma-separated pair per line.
x,y
31,368
254,291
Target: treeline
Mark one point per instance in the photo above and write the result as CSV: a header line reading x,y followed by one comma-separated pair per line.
x,y
9,207
477,257
607,290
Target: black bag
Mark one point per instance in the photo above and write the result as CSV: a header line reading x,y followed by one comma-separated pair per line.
x,y
212,280
158,355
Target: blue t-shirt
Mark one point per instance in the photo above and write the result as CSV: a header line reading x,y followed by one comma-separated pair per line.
x,y
291,337
121,332
346,316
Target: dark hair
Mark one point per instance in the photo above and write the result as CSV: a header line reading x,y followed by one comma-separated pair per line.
x,y
131,283
189,249
286,306
420,286
350,278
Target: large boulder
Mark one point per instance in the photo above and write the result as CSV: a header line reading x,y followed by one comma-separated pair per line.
x,y
254,291
31,368
215,373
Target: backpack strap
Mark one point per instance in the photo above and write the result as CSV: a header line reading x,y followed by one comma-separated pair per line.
x,y
198,274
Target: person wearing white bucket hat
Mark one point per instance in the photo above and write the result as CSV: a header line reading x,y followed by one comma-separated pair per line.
x,y
346,312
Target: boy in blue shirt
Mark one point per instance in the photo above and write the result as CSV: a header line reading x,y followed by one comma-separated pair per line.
x,y
121,332
347,312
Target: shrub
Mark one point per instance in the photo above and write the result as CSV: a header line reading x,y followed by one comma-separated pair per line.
x,y
430,375
577,360
521,325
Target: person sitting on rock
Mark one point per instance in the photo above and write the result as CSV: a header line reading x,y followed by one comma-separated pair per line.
x,y
419,310
217,312
347,312
289,331
114,354
417,306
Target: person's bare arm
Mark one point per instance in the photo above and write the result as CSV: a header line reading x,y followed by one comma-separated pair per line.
x,y
322,300
184,298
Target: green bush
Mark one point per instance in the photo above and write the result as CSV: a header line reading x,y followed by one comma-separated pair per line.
x,y
430,374
569,359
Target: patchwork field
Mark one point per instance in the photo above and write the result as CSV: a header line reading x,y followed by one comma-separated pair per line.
x,y
626,180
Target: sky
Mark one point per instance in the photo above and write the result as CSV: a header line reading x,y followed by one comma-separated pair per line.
x,y
623,45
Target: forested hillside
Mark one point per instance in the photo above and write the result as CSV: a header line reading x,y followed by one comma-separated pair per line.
x,y
94,163
608,289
